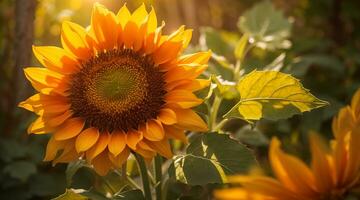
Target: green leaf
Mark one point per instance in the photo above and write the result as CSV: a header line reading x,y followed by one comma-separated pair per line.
x,y
225,89
20,169
266,26
240,47
70,195
130,195
210,158
272,95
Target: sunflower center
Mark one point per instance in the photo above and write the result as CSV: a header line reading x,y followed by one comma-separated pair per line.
x,y
117,90
115,85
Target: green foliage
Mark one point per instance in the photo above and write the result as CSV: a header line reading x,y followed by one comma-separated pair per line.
x,y
266,26
210,157
21,170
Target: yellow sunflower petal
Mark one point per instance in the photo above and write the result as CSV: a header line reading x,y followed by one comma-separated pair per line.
x,y
162,147
99,147
153,40
45,105
123,15
103,23
189,120
86,139
120,158
73,39
130,34
175,133
56,59
353,165
181,35
187,35
340,155
67,156
43,78
143,145
345,122
69,129
238,194
139,15
133,138
291,171
182,98
167,116
53,147
39,127
55,121
37,100
320,164
166,52
51,110
268,187
185,71
199,58
194,85
117,142
102,163
145,151
152,21
154,131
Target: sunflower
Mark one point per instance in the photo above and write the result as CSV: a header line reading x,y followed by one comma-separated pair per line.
x,y
333,174
116,87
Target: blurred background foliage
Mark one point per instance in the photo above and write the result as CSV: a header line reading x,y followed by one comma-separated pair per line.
x,y
318,42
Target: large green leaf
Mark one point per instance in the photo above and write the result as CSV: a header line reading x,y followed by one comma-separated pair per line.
x,y
210,157
272,95
266,26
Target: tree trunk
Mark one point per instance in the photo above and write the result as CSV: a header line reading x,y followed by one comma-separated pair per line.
x,y
19,88
24,30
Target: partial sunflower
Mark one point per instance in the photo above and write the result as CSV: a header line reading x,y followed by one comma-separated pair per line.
x,y
334,172
118,86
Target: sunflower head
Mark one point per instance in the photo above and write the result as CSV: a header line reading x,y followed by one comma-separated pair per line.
x,y
117,87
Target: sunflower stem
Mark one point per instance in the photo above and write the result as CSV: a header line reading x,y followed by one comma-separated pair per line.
x,y
214,111
144,176
158,176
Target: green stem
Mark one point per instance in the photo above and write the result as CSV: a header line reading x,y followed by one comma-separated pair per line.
x,y
144,176
214,111
237,70
158,176
132,183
